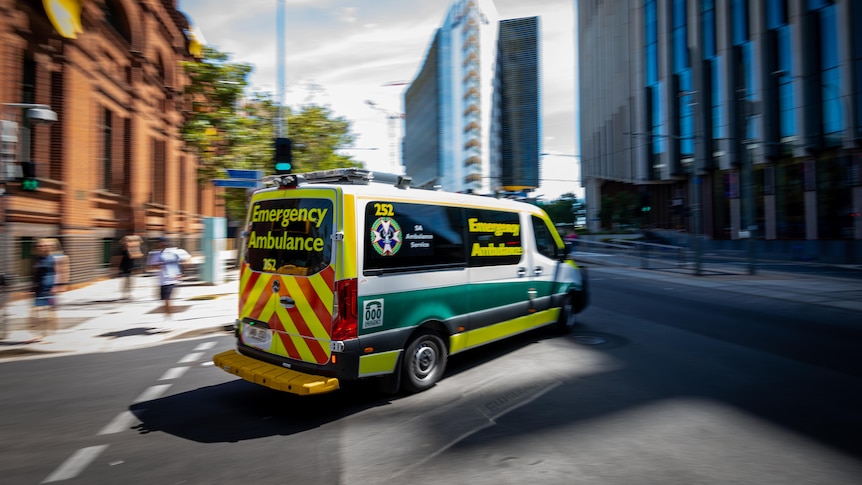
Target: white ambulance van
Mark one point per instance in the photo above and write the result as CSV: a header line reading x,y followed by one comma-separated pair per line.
x,y
344,277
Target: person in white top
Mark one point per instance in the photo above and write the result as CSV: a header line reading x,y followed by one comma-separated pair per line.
x,y
169,261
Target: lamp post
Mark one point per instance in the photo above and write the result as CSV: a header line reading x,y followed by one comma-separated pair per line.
x,y
36,113
747,177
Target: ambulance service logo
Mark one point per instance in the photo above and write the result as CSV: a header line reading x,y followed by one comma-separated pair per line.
x,y
386,236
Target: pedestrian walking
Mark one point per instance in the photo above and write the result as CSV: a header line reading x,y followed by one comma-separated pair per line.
x,y
43,318
571,240
130,249
168,260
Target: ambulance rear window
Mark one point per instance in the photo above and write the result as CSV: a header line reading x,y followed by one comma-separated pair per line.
x,y
290,236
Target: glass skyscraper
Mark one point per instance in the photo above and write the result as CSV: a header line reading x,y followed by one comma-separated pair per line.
x,y
472,114
733,118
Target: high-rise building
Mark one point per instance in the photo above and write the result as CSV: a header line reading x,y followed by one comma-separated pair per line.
x,y
472,114
733,119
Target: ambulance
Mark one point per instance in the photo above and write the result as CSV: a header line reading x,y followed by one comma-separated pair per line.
x,y
348,275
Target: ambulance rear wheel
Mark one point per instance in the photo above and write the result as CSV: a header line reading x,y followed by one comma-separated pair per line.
x,y
424,362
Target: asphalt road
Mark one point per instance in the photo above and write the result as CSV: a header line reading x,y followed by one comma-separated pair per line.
x,y
661,384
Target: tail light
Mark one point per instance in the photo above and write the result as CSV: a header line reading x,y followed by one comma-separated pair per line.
x,y
345,314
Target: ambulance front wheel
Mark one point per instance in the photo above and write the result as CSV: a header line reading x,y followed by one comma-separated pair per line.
x,y
424,362
566,321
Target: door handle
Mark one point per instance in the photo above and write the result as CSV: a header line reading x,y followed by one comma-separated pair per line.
x,y
538,271
522,272
287,302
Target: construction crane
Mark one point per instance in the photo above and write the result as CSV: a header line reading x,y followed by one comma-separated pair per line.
x,y
390,118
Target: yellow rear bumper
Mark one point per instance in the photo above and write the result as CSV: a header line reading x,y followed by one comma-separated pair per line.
x,y
272,376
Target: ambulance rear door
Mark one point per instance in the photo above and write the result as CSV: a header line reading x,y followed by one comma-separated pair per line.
x,y
287,280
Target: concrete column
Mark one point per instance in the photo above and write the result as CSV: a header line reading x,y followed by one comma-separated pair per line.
x,y
811,215
857,208
769,217
735,218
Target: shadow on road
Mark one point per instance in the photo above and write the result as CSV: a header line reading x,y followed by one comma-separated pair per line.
x,y
239,410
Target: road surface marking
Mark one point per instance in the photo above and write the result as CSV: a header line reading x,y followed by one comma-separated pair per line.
x,y
151,393
193,357
205,346
174,373
75,464
122,422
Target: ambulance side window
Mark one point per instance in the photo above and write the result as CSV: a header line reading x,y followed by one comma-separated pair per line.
x,y
403,237
544,240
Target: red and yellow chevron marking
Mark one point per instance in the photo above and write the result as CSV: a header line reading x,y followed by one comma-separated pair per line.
x,y
303,330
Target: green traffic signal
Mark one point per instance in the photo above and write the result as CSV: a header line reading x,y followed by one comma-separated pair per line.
x,y
283,156
29,184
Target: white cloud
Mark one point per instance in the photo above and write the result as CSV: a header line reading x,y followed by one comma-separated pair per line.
x,y
342,53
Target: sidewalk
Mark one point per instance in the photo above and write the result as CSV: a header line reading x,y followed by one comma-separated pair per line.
x,y
96,318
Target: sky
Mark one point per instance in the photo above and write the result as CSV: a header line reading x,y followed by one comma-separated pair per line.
x,y
357,56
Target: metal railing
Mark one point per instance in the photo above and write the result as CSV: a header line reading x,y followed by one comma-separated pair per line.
x,y
627,252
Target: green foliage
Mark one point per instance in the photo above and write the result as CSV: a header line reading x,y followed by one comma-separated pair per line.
x,y
618,209
316,134
228,129
560,211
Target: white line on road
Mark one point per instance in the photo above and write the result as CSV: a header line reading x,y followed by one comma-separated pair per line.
x,y
174,373
122,422
205,346
153,392
193,357
77,462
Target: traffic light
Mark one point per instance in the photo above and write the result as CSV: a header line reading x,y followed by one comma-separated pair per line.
x,y
645,205
283,156
29,181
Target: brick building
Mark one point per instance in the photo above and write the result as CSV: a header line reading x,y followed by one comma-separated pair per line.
x,y
114,161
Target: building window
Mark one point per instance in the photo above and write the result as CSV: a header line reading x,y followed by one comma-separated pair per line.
x,y
708,29
651,42
127,157
159,179
116,17
833,124
107,148
107,251
740,21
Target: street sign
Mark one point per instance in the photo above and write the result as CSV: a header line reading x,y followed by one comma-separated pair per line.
x,y
237,183
236,173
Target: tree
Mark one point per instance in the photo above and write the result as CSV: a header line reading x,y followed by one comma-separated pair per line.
x,y
618,210
317,134
229,130
561,211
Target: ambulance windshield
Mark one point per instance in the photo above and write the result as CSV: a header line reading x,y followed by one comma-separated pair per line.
x,y
290,236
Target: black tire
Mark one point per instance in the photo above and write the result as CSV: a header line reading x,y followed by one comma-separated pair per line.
x,y
566,321
424,362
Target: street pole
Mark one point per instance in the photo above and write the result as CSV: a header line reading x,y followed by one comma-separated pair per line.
x,y
748,186
747,177
38,113
280,52
697,218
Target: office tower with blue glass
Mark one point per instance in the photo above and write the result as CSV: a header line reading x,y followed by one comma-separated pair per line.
x,y
473,112
737,118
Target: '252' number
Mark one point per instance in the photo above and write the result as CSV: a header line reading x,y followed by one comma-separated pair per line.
x,y
383,210
269,264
